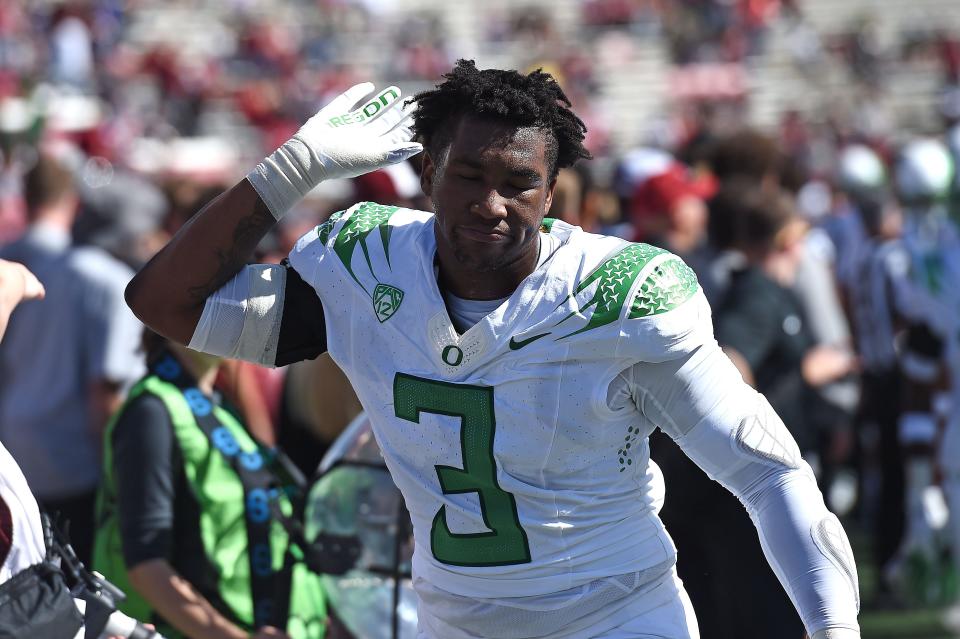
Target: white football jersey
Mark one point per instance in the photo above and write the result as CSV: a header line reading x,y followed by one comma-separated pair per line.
x,y
519,477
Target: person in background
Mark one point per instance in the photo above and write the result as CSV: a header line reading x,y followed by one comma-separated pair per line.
x,y
568,197
318,404
21,535
67,358
923,174
761,323
759,160
31,594
185,521
877,274
123,217
669,210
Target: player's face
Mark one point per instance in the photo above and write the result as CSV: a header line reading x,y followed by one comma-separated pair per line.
x,y
490,192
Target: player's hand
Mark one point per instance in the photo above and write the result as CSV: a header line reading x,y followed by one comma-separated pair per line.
x,y
352,141
358,132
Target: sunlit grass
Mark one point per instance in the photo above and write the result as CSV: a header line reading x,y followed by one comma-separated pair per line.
x,y
890,624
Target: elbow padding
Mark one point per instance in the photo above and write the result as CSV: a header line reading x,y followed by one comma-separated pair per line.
x,y
242,319
759,461
831,540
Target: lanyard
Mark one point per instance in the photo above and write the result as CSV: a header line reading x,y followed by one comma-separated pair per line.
x,y
269,589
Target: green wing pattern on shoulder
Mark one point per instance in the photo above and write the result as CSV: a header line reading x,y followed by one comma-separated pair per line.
x,y
614,278
364,219
323,231
670,284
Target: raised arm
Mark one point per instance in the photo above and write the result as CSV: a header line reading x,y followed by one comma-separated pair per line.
x,y
168,293
340,141
731,432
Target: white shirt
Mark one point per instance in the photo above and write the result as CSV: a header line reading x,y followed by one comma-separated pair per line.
x,y
28,547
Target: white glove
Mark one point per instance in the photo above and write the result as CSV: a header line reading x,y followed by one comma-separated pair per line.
x,y
337,142
836,633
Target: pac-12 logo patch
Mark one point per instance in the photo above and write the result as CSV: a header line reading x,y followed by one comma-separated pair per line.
x,y
386,301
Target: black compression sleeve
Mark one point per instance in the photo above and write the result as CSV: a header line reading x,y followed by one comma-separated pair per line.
x,y
303,332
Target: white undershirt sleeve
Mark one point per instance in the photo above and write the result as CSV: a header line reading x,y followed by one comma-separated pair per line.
x,y
241,320
733,434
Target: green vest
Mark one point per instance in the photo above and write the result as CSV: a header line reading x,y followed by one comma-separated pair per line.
x,y
219,491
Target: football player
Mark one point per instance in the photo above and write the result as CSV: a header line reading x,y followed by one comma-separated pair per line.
x,y
930,356
512,367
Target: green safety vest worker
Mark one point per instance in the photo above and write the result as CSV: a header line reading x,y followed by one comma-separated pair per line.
x,y
259,575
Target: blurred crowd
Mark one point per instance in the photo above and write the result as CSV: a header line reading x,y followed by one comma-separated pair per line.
x,y
826,244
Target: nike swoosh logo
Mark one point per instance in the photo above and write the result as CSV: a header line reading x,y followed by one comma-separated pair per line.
x,y
516,344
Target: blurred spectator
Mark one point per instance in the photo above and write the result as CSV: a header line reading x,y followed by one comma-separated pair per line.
x,y
760,315
123,217
38,599
882,270
71,48
747,154
21,534
749,157
864,51
567,197
318,403
607,13
669,210
80,343
924,175
761,323
185,523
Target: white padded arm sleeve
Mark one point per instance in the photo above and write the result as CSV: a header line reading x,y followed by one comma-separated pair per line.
x,y
836,633
242,319
733,434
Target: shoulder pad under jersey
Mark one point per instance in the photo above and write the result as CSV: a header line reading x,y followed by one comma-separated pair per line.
x,y
359,227
650,295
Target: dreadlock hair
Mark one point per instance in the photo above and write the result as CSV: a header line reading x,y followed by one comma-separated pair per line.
x,y
533,100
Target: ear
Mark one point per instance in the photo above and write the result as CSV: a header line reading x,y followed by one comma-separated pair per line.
x,y
428,169
550,189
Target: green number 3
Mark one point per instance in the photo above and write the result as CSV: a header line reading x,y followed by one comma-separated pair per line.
x,y
506,542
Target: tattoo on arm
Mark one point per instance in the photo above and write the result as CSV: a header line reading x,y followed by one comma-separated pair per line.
x,y
246,235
